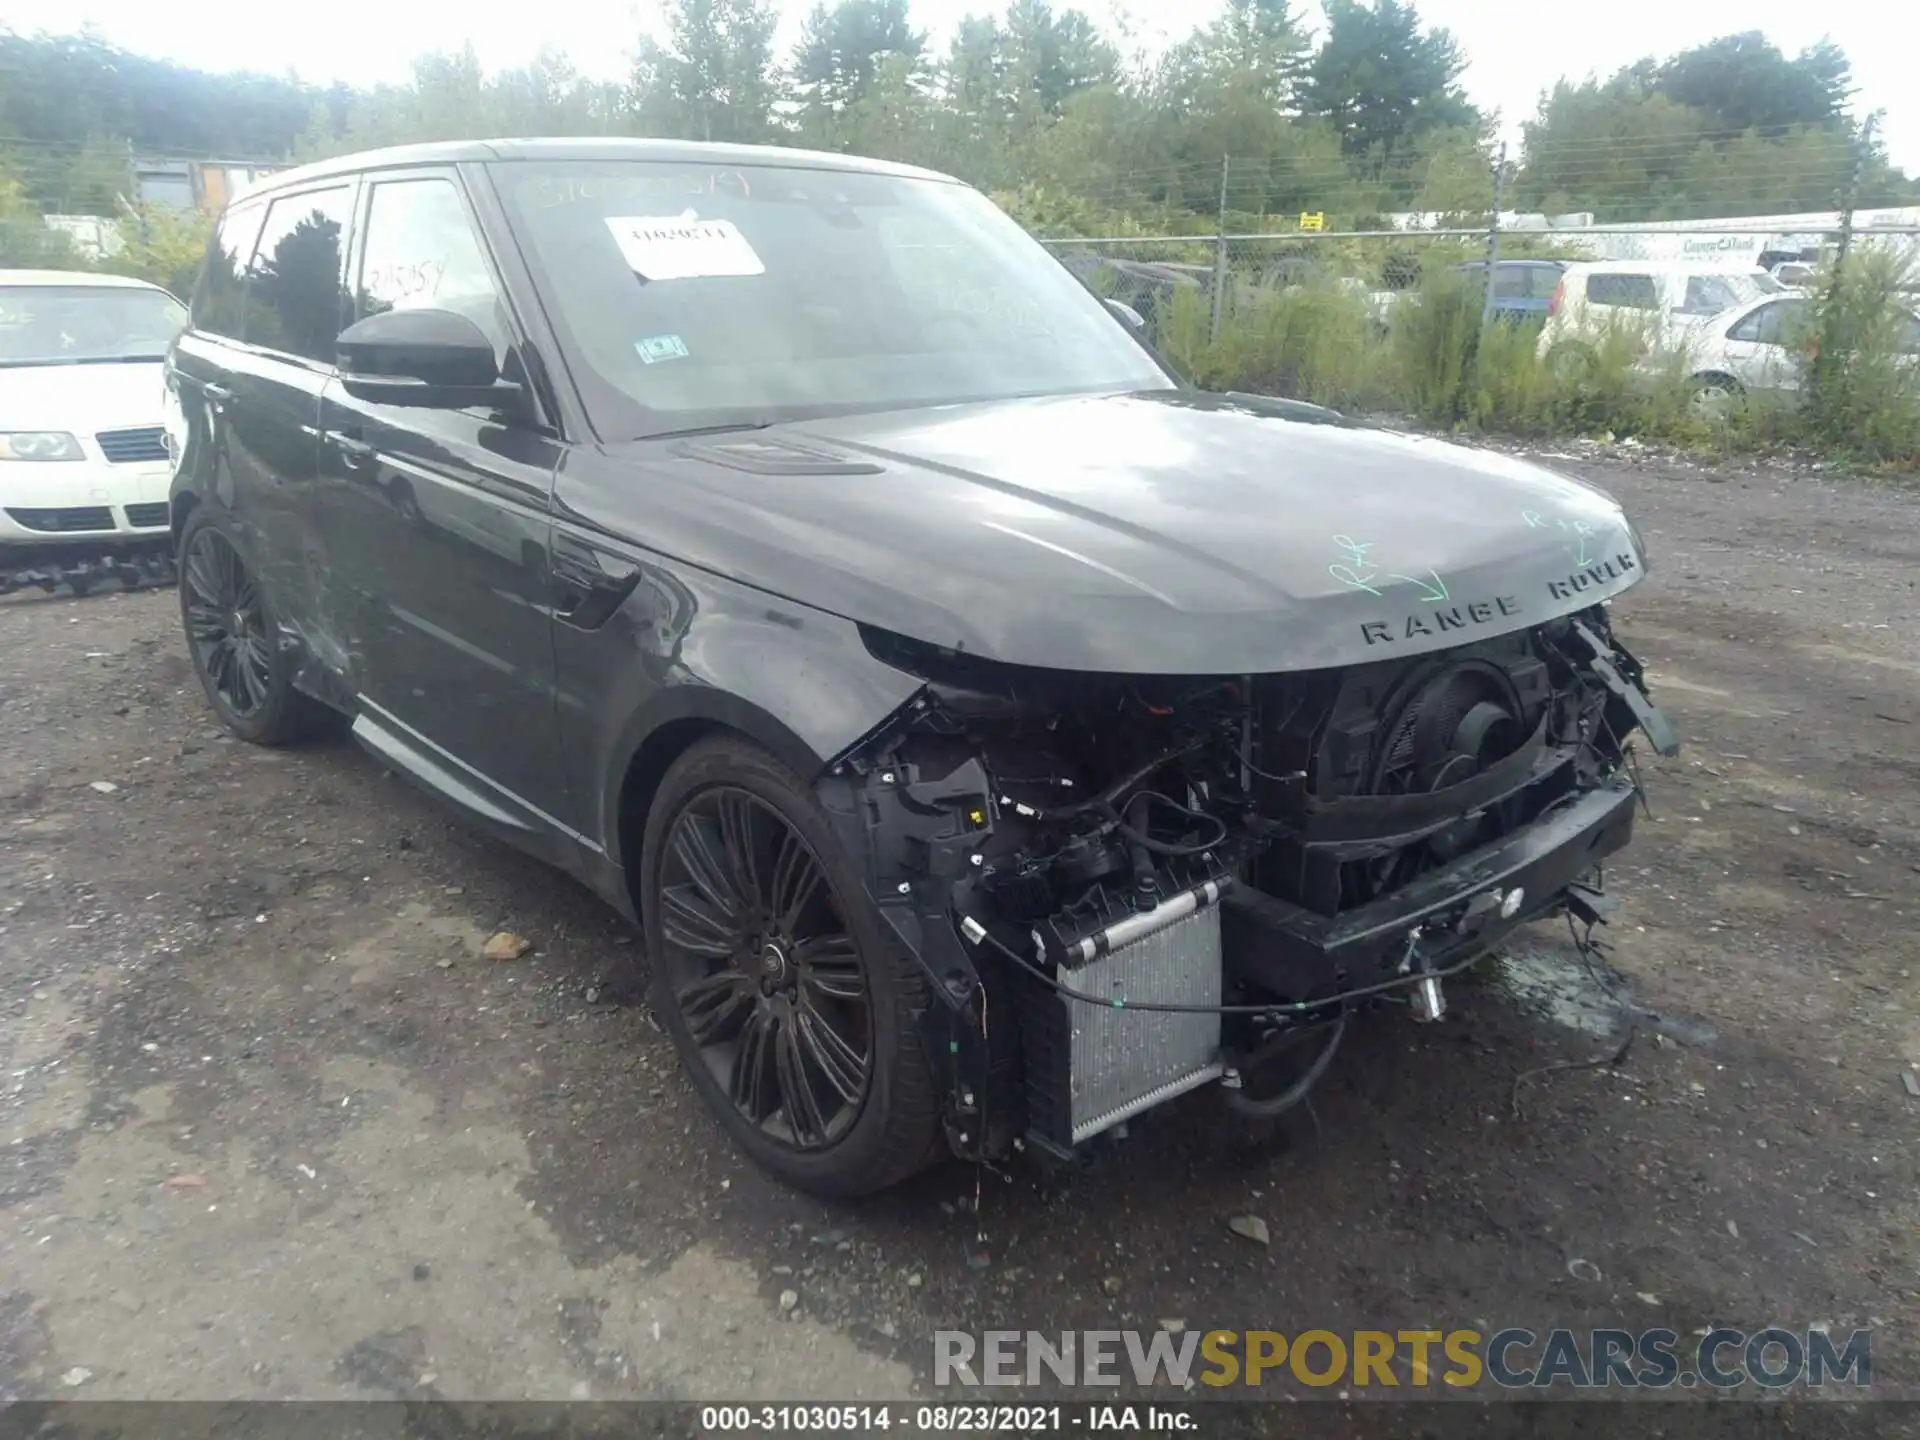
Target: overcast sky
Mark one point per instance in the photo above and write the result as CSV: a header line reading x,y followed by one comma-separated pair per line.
x,y
1515,51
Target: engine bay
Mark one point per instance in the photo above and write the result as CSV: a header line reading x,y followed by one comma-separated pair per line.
x,y
1123,887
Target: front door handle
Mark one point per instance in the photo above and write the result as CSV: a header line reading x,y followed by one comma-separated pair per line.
x,y
585,591
216,396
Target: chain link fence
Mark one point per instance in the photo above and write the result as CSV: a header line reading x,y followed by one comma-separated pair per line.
x,y
1679,338
1161,276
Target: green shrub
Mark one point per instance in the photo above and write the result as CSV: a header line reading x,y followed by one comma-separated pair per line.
x,y
1313,342
1863,394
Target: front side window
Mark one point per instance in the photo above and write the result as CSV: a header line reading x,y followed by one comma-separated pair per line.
x,y
689,295
86,324
1771,324
295,300
421,252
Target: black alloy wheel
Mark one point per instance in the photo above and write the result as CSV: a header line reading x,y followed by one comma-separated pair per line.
x,y
226,623
233,641
793,1006
766,976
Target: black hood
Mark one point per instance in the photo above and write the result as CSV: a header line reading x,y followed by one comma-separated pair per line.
x,y
1160,532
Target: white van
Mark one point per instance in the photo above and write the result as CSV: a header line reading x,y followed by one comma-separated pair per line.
x,y
1667,293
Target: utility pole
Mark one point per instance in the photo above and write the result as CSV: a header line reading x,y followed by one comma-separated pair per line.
x,y
1220,250
1493,236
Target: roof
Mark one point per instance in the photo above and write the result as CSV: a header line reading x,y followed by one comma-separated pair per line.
x,y
1514,260
74,277
1670,267
684,152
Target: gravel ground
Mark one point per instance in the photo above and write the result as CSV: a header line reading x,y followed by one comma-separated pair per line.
x,y
272,1127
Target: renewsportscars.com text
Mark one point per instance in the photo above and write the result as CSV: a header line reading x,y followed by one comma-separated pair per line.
x,y
1515,1358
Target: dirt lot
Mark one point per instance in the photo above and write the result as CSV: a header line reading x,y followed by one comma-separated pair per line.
x,y
272,1128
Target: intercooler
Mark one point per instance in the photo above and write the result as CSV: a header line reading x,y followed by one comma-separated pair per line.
x,y
1091,1066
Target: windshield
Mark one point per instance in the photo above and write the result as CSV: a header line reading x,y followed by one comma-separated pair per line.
x,y
86,324
691,296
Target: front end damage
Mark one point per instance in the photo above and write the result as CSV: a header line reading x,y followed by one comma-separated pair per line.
x,y
1121,887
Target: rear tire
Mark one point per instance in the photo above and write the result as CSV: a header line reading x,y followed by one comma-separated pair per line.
x,y
790,1004
234,642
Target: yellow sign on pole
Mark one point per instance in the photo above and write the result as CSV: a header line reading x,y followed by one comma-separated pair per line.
x,y
1313,220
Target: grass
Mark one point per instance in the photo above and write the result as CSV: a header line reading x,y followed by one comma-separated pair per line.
x,y
1435,363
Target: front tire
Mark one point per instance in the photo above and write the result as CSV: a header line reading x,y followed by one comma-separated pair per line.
x,y
791,1007
234,643
1715,397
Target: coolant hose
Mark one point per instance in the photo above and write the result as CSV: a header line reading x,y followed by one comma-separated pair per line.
x,y
1242,1104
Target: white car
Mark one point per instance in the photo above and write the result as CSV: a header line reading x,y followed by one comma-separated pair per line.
x,y
1671,296
1759,349
84,465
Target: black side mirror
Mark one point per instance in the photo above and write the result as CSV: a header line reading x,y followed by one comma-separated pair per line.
x,y
1129,316
432,358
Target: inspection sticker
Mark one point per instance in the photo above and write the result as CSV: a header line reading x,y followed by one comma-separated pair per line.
x,y
656,348
683,247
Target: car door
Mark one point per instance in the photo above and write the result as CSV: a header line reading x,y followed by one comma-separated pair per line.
x,y
259,389
435,521
1762,349
1512,292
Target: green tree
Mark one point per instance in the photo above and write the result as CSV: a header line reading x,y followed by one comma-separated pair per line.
x,y
1627,148
1382,81
713,78
1258,46
843,50
79,107
1744,82
1050,56
25,241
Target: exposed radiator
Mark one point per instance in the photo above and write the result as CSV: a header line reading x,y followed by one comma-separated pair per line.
x,y
1091,1066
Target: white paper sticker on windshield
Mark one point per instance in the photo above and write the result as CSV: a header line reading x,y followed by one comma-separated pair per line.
x,y
680,247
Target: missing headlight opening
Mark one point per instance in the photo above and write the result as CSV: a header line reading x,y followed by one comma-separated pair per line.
x,y
1157,883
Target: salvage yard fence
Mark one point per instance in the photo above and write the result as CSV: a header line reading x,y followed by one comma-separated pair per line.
x,y
1377,266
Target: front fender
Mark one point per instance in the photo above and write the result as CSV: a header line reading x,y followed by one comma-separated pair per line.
x,y
799,682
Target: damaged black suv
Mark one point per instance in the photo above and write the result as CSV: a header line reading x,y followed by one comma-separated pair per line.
x,y
995,737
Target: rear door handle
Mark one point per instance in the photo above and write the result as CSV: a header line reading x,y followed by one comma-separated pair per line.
x,y
217,396
585,591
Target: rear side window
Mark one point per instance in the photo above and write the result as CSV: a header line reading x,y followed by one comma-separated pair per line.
x,y
295,299
1636,292
421,251
219,300
1542,281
